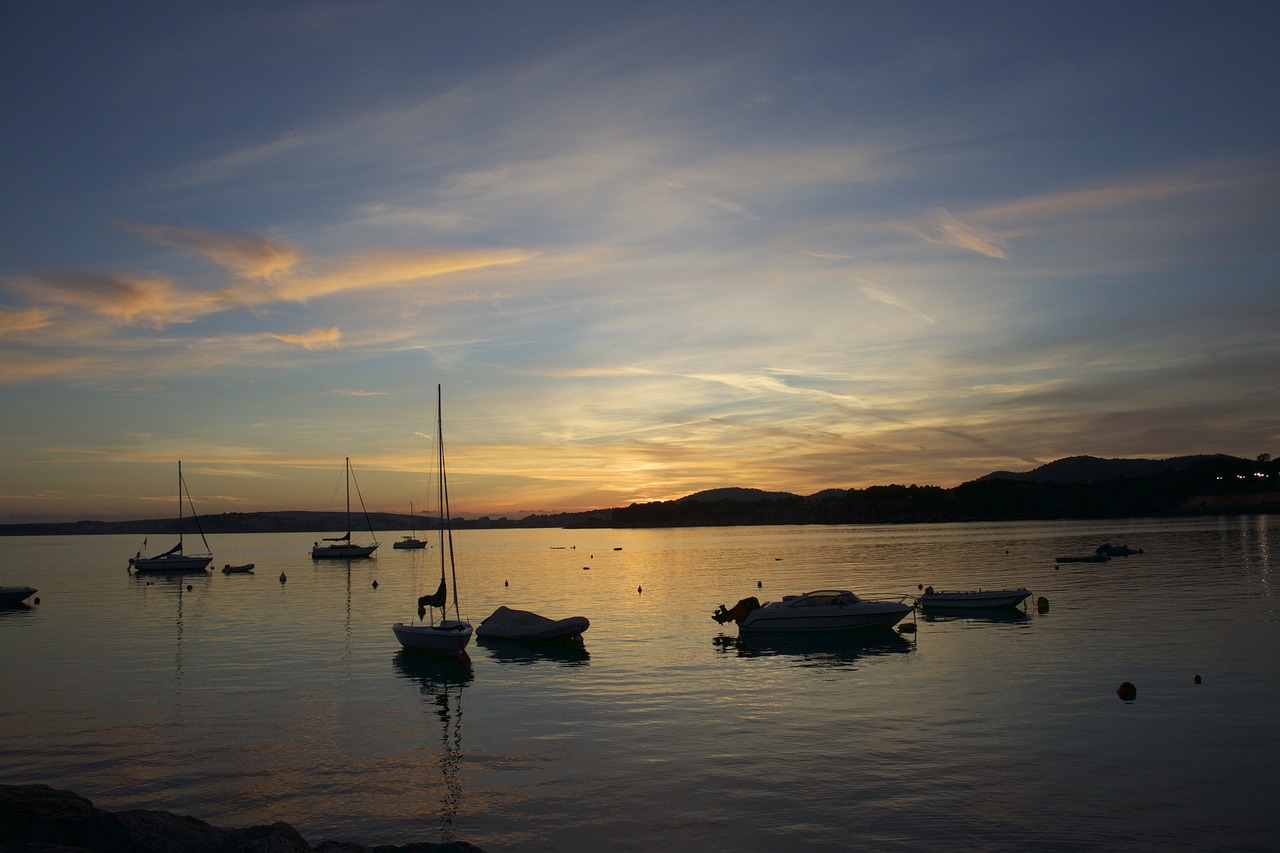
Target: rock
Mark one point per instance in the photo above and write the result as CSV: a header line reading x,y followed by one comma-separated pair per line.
x,y
40,819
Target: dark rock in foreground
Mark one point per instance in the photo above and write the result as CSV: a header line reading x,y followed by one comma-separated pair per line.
x,y
40,819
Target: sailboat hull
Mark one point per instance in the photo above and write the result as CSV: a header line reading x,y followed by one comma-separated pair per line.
x,y
448,638
170,563
341,552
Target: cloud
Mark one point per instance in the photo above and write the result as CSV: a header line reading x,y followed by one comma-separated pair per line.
x,y
122,297
16,321
942,228
330,338
247,255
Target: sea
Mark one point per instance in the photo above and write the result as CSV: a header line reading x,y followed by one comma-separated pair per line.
x,y
284,696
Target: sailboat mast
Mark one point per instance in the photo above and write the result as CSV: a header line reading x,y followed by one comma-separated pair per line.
x,y
347,461
444,503
179,506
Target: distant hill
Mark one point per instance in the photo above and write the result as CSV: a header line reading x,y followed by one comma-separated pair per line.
x,y
1091,469
735,494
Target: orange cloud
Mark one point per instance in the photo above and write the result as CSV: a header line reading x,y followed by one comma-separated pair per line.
x,y
330,338
247,255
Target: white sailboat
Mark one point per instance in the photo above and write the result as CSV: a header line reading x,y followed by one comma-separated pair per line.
x,y
341,547
411,541
443,636
174,560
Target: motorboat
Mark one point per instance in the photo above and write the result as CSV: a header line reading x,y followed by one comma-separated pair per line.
x,y
976,600
15,594
507,623
445,636
246,569
820,610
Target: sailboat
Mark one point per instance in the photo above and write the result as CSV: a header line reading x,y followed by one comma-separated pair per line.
x,y
174,560
443,636
411,541
341,547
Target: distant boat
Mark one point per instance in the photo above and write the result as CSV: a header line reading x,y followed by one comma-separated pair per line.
x,y
411,541
1083,558
16,594
174,560
821,610
246,569
447,637
1117,550
341,547
979,600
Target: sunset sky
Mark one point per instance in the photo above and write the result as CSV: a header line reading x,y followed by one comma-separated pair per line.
x,y
646,248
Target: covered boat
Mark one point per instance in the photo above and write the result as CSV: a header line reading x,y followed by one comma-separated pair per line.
x,y
507,623
978,600
821,610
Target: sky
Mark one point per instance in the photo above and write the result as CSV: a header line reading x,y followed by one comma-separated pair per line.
x,y
646,249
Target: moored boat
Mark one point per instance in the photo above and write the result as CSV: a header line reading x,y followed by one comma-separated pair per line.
x,y
447,637
974,600
820,610
411,540
246,569
174,560
341,547
1083,558
507,623
16,594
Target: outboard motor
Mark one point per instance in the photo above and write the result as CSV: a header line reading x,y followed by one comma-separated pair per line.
x,y
738,612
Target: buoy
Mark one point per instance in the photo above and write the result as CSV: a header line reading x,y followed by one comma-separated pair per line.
x,y
282,577
1042,604
375,583
586,568
759,584
640,589
506,583
919,586
37,601
1197,677
1127,692
188,587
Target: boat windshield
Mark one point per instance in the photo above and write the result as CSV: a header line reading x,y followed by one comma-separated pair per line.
x,y
827,598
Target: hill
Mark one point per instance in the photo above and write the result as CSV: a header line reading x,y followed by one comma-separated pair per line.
x,y
1075,487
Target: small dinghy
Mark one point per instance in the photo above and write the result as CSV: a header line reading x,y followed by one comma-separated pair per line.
x,y
506,623
246,569
979,600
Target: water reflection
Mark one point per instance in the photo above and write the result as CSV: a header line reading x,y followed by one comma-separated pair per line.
x,y
564,652
15,608
836,650
442,680
1009,616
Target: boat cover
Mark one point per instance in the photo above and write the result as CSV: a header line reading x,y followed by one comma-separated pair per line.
x,y
510,624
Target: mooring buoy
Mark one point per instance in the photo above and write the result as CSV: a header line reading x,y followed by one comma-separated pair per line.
x,y
1127,692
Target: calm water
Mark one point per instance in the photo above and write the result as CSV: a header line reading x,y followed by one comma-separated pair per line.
x,y
243,700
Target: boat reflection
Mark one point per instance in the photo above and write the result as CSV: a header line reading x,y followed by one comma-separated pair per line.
x,y
563,652
1007,616
442,680
835,649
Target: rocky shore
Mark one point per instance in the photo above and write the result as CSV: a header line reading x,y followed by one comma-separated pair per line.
x,y
40,819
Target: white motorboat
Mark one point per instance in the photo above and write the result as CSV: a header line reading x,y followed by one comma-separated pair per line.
x,y
341,547
976,600
174,560
507,623
821,610
16,594
448,637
